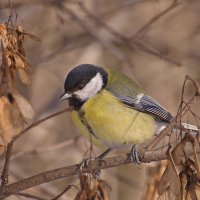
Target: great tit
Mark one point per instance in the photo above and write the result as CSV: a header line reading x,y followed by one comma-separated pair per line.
x,y
111,108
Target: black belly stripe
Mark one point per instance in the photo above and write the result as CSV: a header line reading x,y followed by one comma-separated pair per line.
x,y
85,123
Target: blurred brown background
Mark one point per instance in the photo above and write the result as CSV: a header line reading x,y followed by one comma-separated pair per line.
x,y
155,42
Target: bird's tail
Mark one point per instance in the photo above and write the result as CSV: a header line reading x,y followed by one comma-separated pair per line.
x,y
190,127
160,126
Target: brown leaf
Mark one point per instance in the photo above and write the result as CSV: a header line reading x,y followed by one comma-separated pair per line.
x,y
18,63
178,151
183,180
23,69
24,76
24,106
174,182
11,119
194,192
104,189
3,34
164,182
20,30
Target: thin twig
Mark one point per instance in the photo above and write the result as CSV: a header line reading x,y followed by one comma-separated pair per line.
x,y
179,115
34,124
4,175
52,147
75,170
28,196
154,20
64,191
122,38
106,43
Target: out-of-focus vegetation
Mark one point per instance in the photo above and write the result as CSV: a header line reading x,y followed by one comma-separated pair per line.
x,y
155,42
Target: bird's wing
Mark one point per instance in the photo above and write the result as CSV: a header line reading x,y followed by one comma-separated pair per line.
x,y
147,104
129,93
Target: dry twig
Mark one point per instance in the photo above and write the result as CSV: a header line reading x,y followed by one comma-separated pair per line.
x,y
72,170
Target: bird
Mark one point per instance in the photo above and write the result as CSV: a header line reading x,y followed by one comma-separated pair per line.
x,y
112,109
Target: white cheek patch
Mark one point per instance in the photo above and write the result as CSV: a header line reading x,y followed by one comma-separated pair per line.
x,y
90,89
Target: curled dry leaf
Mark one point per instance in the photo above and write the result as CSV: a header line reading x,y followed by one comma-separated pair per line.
x,y
11,119
154,173
20,31
104,189
181,175
25,107
3,34
173,177
93,189
192,186
13,40
164,182
23,69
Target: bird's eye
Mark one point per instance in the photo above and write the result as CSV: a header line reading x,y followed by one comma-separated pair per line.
x,y
80,86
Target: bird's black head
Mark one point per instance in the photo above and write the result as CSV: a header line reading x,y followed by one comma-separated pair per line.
x,y
83,82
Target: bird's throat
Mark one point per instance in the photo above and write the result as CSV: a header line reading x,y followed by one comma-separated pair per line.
x,y
76,103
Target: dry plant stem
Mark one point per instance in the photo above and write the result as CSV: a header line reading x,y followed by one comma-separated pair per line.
x,y
34,124
155,19
75,170
64,191
124,39
4,175
170,126
119,55
53,147
196,85
28,196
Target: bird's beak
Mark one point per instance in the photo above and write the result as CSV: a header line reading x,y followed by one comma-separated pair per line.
x,y
65,96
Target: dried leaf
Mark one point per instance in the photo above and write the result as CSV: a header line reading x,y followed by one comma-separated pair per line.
x,y
174,182
104,189
3,34
178,151
24,76
183,180
194,192
20,30
23,69
25,107
11,119
18,63
164,182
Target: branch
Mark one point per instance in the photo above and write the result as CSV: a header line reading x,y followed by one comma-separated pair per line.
x,y
64,191
34,124
144,28
53,147
95,165
4,175
133,43
172,124
28,196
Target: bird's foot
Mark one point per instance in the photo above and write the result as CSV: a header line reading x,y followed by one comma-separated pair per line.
x,y
85,163
134,155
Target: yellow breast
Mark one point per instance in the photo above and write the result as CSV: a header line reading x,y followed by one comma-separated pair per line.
x,y
113,123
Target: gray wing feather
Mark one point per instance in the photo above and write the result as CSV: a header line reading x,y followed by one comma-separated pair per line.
x,y
147,104
129,93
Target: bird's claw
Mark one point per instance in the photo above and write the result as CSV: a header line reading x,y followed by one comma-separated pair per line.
x,y
86,163
134,156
